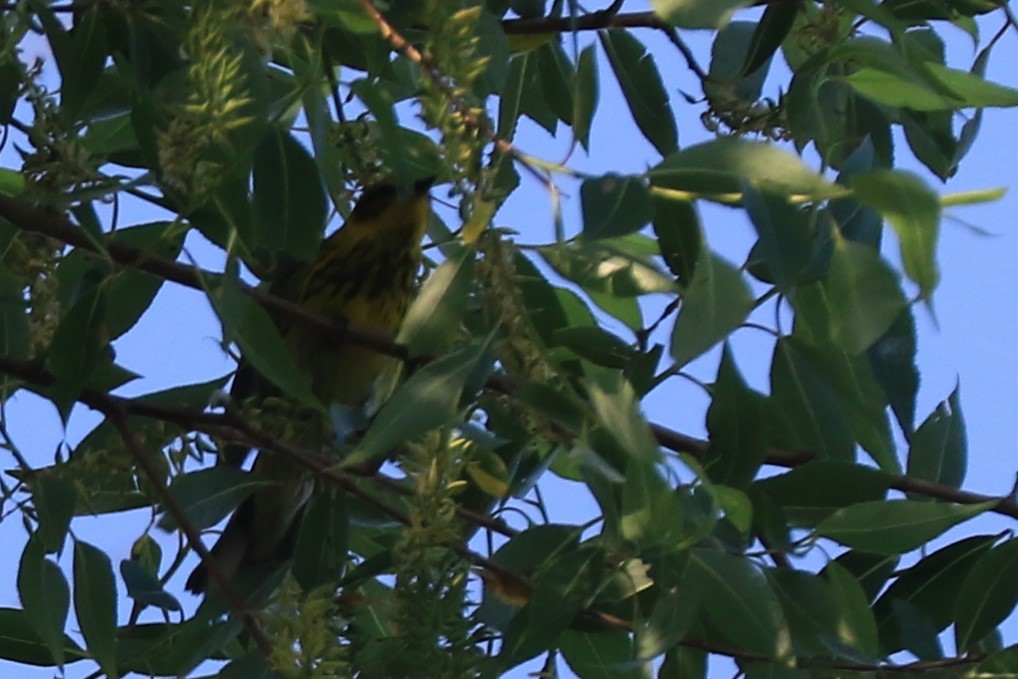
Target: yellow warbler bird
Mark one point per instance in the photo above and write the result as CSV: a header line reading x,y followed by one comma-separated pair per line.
x,y
364,273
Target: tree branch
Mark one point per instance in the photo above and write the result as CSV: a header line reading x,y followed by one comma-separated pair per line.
x,y
115,413
30,218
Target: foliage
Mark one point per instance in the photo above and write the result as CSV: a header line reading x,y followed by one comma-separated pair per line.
x,y
801,536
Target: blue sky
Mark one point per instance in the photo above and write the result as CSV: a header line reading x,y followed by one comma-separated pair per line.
x,y
973,341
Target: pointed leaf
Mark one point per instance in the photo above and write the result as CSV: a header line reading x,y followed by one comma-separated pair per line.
x,y
913,209
987,596
95,604
45,597
207,496
720,167
714,305
428,400
740,602
736,427
938,451
895,526
641,86
434,317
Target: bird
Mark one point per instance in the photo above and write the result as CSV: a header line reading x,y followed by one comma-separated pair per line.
x,y
363,273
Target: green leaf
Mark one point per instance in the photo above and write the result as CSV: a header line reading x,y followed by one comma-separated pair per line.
x,y
54,497
856,624
19,642
670,620
802,396
714,305
938,450
895,526
679,234
561,590
811,493
720,166
321,554
247,323
45,597
610,274
736,427
15,335
697,14
773,27
95,604
642,87
77,346
726,83
168,649
865,296
289,201
683,662
987,596
509,103
208,495
807,601
614,205
740,602
585,95
597,345
434,317
931,585
428,400
913,209
618,410
1000,665
944,89
599,655
893,359
646,503
857,391
82,62
786,241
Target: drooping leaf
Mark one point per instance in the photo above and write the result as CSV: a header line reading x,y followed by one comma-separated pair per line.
x,y
736,427
435,315
785,242
585,95
54,497
714,305
95,604
740,602
893,358
289,199
247,323
913,210
45,597
641,86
